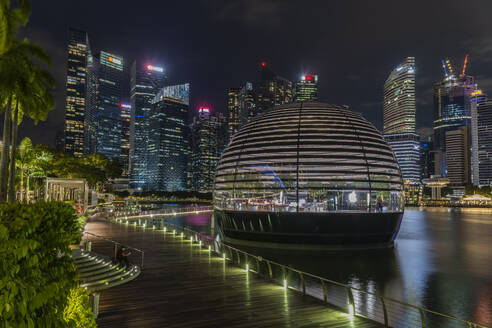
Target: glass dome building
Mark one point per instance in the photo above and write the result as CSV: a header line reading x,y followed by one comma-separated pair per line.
x,y
309,174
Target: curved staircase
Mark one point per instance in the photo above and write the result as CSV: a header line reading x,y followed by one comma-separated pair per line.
x,y
98,272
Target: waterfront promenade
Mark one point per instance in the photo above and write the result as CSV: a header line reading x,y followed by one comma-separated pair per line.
x,y
184,286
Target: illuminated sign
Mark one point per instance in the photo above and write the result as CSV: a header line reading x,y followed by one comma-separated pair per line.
x,y
114,60
204,109
155,68
478,92
125,106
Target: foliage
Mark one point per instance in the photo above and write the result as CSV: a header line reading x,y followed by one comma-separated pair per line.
x,y
484,191
36,272
78,313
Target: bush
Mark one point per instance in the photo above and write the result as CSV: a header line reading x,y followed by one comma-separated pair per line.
x,y
78,313
36,271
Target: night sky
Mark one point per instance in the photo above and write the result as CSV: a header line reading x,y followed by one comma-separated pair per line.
x,y
216,44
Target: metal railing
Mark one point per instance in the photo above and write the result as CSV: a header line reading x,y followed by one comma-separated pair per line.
x,y
130,215
354,301
112,250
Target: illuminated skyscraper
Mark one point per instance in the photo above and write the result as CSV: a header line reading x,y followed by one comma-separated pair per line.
x,y
145,82
209,139
307,88
458,156
125,138
107,117
481,136
399,120
452,106
399,99
76,89
247,106
272,90
233,109
168,139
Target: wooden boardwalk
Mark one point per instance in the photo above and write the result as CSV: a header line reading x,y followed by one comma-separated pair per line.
x,y
182,286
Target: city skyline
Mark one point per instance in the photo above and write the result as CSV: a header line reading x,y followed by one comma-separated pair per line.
x,y
193,54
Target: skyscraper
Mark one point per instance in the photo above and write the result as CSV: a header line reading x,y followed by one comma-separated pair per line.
x,y
168,139
247,106
306,88
481,136
458,156
452,106
107,117
209,138
272,89
399,99
76,89
399,119
145,82
125,139
233,109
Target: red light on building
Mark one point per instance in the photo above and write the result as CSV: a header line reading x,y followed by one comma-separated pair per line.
x,y
204,109
308,77
263,64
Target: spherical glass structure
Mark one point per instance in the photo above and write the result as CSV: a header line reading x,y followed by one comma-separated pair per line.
x,y
309,173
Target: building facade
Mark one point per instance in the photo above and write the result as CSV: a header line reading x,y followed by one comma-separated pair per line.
x,y
233,109
399,99
208,140
481,150
247,106
125,139
168,161
272,90
107,117
399,121
76,90
145,82
458,156
306,88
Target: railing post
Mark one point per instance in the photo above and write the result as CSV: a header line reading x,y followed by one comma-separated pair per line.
x,y
384,311
325,292
422,317
270,273
351,301
115,250
142,260
303,283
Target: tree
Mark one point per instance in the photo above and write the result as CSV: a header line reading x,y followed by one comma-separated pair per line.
x,y
11,19
27,88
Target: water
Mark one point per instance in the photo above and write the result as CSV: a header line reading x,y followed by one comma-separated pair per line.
x,y
442,261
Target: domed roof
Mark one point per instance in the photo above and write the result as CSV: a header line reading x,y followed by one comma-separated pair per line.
x,y
312,157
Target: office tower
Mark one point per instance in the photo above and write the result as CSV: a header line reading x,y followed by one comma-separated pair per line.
x,y
399,99
168,139
208,140
306,88
247,106
272,89
125,139
406,147
481,136
233,109
399,120
458,156
452,103
107,117
76,90
145,82
427,160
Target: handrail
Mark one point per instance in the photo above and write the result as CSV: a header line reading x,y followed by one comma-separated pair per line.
x,y
165,212
117,244
325,280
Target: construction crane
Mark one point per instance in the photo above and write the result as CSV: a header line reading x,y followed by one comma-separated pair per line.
x,y
464,65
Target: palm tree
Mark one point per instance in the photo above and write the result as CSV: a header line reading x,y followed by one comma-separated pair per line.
x,y
11,19
27,88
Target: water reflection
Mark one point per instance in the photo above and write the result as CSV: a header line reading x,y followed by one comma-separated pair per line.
x,y
442,261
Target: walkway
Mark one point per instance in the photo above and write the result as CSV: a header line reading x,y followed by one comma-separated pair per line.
x,y
182,286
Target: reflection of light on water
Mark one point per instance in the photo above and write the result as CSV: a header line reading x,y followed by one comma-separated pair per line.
x,y
197,220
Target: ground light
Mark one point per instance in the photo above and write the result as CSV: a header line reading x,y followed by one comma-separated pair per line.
x,y
285,284
223,256
247,267
182,234
209,249
200,243
165,229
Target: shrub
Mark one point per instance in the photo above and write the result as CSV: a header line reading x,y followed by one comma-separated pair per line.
x,y
78,313
36,271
